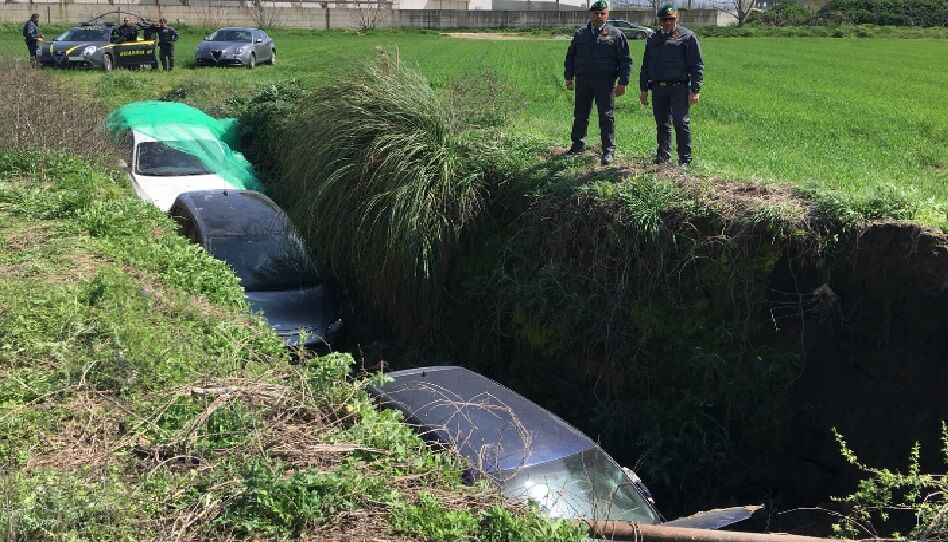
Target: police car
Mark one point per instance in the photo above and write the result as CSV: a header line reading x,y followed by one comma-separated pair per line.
x,y
96,47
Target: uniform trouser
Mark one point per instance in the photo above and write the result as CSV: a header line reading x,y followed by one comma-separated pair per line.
x,y
166,55
31,46
600,90
670,106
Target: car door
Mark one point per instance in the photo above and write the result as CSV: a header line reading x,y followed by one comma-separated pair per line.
x,y
267,45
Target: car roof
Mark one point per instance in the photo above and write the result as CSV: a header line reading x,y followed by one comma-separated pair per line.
x,y
222,213
247,28
491,426
175,132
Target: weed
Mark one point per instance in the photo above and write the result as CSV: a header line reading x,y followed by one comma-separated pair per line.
x,y
892,504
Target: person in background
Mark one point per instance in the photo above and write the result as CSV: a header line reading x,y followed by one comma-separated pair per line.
x,y
597,56
165,35
673,69
32,36
127,32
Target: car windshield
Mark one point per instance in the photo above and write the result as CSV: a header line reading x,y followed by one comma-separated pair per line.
x,y
160,160
271,262
585,485
231,35
84,34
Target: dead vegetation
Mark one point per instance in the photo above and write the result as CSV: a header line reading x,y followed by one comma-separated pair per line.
x,y
41,112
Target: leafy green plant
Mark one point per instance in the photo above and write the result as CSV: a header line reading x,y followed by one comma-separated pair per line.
x,y
908,505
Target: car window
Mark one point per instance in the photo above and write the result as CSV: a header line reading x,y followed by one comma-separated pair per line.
x,y
161,160
84,34
231,35
585,485
270,262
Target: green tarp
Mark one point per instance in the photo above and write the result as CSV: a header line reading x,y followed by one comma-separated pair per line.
x,y
191,131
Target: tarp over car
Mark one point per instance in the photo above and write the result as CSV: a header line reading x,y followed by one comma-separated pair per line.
x,y
185,128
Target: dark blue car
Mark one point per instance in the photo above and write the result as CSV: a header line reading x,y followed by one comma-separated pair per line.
x,y
528,451
249,232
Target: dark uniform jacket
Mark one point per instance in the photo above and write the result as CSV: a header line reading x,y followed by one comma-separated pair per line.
x,y
672,57
126,33
605,54
31,31
165,36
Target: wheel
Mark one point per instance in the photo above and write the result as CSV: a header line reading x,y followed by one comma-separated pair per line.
x,y
107,63
640,35
253,62
154,66
273,58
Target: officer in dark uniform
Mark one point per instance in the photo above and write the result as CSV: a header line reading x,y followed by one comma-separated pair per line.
x,y
673,69
127,32
597,56
166,36
32,36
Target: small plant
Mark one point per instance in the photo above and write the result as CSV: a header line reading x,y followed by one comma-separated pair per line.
x,y
892,504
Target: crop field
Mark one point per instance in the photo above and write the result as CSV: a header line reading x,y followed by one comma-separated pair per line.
x,y
855,115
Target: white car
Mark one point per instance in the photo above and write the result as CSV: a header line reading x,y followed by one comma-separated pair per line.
x,y
160,171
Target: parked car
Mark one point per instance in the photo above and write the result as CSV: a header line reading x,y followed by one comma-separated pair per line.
x,y
95,47
159,171
631,30
249,232
236,46
528,451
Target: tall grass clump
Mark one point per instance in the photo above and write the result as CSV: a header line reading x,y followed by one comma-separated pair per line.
x,y
379,179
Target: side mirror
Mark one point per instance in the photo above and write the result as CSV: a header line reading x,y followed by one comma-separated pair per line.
x,y
258,40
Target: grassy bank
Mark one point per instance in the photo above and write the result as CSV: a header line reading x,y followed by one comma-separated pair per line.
x,y
773,110
141,402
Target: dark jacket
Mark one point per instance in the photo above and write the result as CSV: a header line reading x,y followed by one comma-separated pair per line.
x,y
126,33
164,36
672,57
31,31
602,55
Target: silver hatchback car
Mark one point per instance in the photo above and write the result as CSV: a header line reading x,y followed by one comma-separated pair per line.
x,y
631,30
236,46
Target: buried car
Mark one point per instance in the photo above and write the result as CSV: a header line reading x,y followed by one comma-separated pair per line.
x,y
247,230
236,46
95,47
160,170
526,450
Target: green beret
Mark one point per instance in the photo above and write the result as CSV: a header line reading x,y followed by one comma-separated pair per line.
x,y
667,11
599,5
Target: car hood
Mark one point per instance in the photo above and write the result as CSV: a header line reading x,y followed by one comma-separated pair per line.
x,y
287,311
162,191
68,47
223,45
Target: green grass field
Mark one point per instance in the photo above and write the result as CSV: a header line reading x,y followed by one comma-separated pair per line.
x,y
846,114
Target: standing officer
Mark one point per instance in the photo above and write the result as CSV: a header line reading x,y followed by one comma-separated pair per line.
x,y
166,36
673,69
127,32
598,54
32,36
